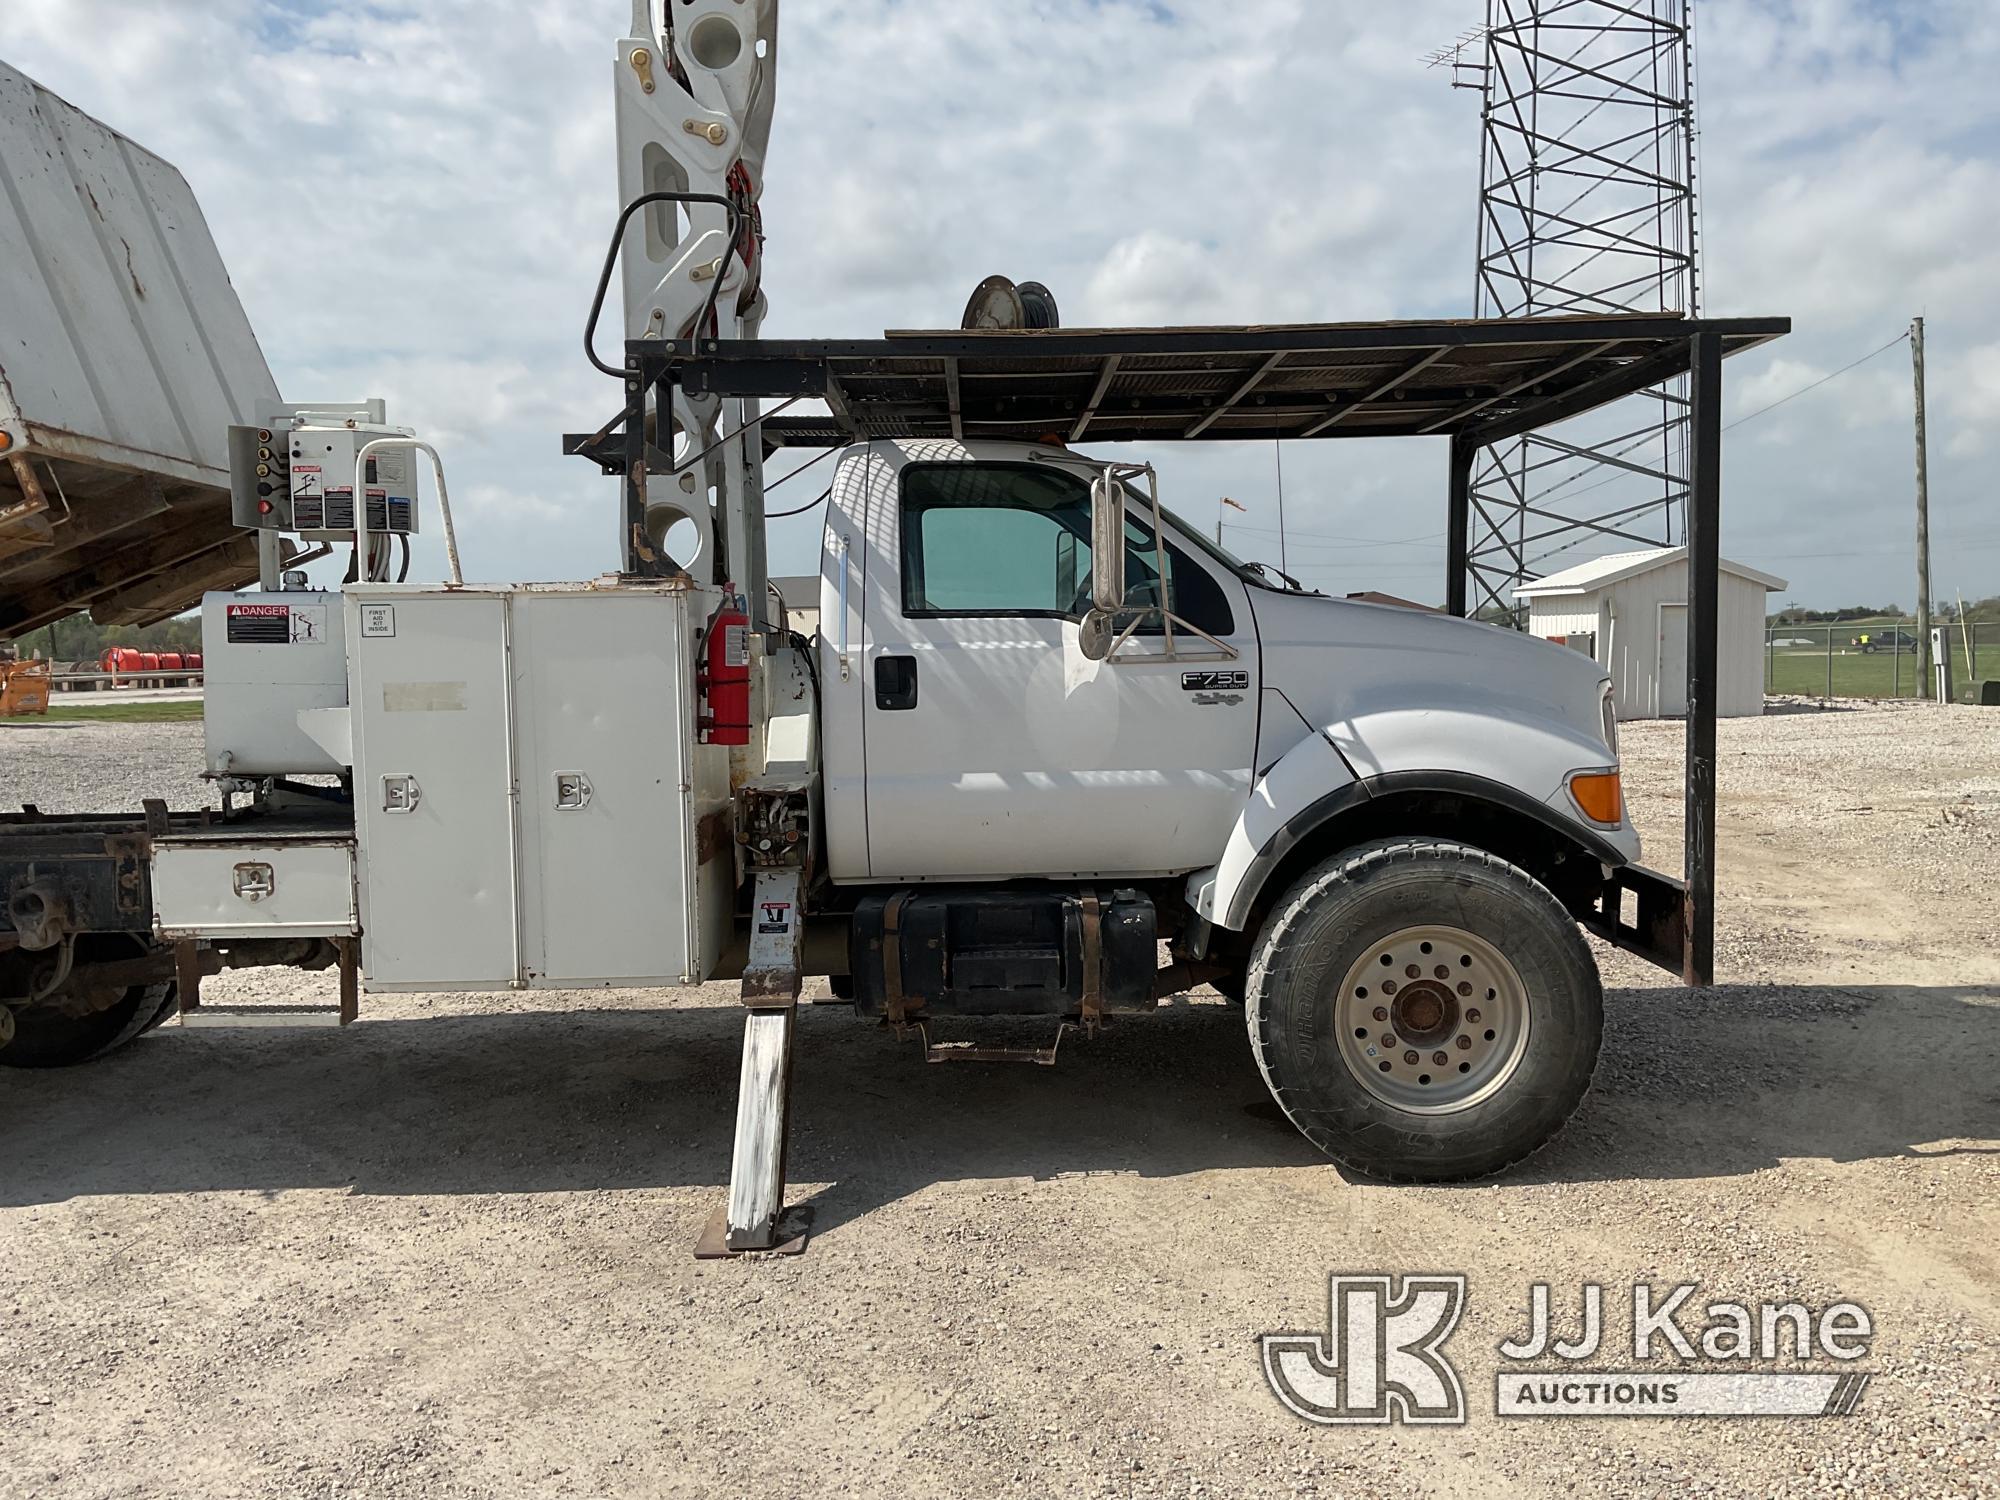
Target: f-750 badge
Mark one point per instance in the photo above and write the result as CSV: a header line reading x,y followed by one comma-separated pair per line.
x,y
1215,682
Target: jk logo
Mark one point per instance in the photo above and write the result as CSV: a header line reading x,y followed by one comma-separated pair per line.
x,y
1380,1361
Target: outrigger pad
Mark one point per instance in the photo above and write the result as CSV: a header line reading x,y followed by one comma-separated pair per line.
x,y
794,1229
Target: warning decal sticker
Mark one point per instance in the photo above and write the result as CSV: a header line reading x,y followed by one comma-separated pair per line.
x,y
275,624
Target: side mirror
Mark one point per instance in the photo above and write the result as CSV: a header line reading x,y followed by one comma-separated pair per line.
x,y
1107,543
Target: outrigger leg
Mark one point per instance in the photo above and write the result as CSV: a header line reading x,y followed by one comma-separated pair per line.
x,y
755,1217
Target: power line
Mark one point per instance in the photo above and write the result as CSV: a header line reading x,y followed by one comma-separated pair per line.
x,y
1747,416
1898,339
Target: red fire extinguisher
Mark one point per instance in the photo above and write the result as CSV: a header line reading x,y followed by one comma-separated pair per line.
x,y
724,677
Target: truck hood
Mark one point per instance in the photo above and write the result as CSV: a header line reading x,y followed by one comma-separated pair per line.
x,y
1345,666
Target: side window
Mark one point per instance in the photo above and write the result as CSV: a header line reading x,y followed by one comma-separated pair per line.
x,y
1198,598
994,539
1014,539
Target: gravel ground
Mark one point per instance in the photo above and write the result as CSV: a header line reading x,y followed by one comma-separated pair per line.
x,y
445,1253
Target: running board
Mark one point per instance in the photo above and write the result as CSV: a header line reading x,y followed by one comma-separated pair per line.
x,y
218,1017
990,1052
191,964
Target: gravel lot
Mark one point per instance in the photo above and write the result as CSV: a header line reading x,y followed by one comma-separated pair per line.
x,y
445,1252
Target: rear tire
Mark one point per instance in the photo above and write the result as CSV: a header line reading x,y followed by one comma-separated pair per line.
x,y
45,1037
1349,1040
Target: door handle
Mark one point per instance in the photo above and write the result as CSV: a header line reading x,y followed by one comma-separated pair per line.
x,y
895,682
572,791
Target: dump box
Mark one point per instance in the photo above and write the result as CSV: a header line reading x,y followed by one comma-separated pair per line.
x,y
126,357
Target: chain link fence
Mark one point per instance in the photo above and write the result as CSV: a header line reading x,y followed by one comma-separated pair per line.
x,y
1873,660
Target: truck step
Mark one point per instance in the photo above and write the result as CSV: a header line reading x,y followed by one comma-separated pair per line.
x,y
950,1052
219,1016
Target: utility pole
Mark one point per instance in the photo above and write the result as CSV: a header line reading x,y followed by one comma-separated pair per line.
x,y
1923,520
1220,501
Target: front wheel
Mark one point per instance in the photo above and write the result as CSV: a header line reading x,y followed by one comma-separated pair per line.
x,y
1423,1010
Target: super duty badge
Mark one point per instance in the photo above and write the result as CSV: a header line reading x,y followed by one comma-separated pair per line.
x,y
1215,682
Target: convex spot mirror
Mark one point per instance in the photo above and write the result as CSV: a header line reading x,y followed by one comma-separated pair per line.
x,y
1094,634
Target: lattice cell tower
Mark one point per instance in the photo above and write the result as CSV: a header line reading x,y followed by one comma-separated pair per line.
x,y
1586,205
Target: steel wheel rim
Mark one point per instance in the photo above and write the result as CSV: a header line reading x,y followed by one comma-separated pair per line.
x,y
1421,994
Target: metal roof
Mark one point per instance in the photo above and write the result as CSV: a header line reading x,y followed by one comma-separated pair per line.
x,y
1487,378
1615,567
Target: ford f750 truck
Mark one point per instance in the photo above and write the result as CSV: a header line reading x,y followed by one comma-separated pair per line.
x,y
1049,752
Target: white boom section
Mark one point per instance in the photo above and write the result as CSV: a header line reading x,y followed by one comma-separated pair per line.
x,y
695,89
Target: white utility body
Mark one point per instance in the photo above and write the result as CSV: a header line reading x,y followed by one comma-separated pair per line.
x,y
1049,753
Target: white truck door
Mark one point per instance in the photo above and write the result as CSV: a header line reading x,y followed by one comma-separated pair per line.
x,y
992,746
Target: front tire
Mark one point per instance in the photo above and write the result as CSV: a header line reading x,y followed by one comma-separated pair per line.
x,y
1424,1011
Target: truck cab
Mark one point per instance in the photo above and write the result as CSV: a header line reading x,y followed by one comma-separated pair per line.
x,y
970,735
1277,784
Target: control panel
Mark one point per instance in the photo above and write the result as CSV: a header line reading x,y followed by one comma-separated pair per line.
x,y
294,471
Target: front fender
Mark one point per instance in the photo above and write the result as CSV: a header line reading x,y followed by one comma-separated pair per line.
x,y
1309,784
1518,761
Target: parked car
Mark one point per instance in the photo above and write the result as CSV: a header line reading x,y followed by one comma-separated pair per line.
x,y
1892,639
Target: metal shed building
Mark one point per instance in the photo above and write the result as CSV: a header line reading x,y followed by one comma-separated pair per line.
x,y
1629,613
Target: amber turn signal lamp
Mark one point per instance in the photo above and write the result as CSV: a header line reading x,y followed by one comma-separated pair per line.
x,y
6,442
1599,795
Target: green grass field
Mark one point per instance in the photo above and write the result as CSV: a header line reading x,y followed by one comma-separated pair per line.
x,y
113,713
1803,670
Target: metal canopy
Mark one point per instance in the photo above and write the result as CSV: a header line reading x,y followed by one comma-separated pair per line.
x,y
1486,378
1473,382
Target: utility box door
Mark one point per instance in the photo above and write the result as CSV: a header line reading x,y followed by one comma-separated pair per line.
x,y
433,785
603,737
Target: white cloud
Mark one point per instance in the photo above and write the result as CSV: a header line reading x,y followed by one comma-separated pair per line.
x,y
1155,278
1969,395
413,199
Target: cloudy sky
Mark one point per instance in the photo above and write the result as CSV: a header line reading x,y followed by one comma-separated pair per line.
x,y
1151,160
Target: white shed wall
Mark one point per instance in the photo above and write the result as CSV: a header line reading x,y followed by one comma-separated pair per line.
x,y
1627,618
1739,649
1575,615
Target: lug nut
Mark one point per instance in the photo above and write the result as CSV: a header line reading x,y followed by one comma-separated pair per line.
x,y
1410,1058
1472,1016
1388,986
1464,1042
1413,971
1388,1038
1441,972
1440,1058
1381,1012
1464,988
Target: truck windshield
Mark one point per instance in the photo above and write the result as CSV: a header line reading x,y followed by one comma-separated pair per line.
x,y
1257,575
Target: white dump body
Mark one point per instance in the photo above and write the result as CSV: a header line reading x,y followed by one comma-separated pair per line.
x,y
127,356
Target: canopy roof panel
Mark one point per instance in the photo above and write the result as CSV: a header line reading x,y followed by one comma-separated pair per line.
x,y
1487,378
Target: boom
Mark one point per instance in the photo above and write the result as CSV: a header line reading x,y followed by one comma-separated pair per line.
x,y
694,94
